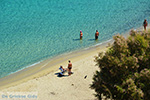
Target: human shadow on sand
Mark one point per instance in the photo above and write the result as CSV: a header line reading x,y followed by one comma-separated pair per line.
x,y
59,75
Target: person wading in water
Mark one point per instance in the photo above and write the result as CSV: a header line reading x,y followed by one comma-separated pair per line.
x,y
145,24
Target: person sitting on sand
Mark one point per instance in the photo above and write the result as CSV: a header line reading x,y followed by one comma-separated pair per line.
x,y
96,35
69,68
62,71
81,34
145,24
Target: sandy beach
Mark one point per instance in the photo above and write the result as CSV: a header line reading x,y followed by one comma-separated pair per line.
x,y
41,81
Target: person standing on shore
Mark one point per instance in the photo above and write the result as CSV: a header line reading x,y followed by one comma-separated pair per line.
x,y
145,24
69,68
81,35
96,35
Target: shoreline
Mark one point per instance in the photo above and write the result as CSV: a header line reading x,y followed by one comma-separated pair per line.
x,y
45,83
73,51
44,67
57,56
42,80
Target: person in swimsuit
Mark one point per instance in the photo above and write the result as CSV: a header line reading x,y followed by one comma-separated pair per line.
x,y
145,24
81,34
96,35
69,67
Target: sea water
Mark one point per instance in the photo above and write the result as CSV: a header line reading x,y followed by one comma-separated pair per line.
x,y
34,30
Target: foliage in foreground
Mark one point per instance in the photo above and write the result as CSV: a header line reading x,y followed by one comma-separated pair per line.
x,y
124,69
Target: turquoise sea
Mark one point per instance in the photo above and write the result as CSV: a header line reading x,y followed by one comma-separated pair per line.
x,y
35,30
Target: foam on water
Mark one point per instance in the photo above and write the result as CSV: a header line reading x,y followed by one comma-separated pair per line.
x,y
34,30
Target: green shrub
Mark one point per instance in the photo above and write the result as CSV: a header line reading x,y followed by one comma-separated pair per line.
x,y
124,69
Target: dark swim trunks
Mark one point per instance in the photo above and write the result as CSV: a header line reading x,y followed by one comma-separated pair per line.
x,y
96,37
70,68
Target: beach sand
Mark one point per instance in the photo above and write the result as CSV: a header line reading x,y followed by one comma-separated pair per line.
x,y
43,82
48,86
